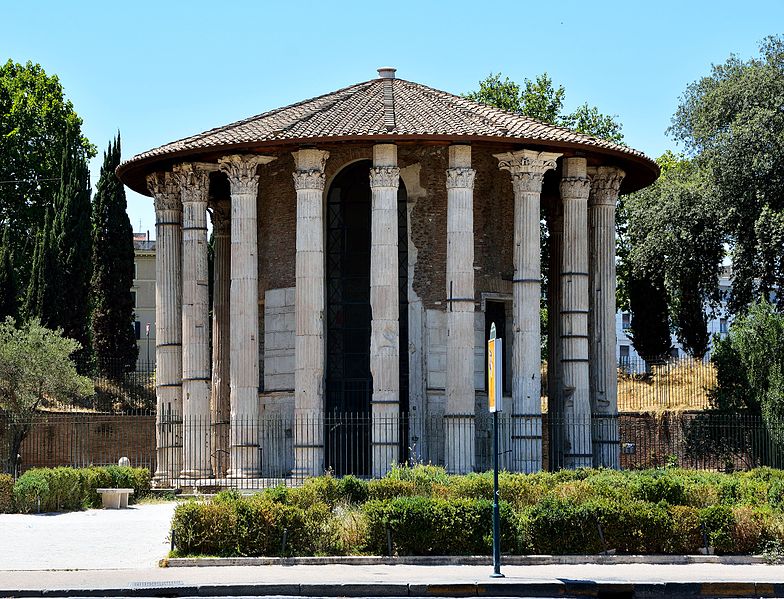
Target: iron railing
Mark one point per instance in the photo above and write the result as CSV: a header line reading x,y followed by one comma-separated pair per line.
x,y
281,449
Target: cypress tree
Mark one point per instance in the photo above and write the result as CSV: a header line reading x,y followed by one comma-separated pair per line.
x,y
8,289
650,318
72,245
113,337
44,287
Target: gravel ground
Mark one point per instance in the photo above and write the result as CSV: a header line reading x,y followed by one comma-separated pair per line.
x,y
88,540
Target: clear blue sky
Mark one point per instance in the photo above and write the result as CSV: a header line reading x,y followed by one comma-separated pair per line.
x,y
159,71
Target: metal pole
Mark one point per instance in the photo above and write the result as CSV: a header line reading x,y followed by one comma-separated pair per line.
x,y
496,512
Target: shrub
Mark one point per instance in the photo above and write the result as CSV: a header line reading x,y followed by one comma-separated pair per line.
x,y
748,530
686,536
718,522
390,488
661,486
30,491
555,526
203,528
352,490
427,526
6,493
56,489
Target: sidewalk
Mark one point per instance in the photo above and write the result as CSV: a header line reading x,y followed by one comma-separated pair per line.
x,y
91,539
705,580
115,553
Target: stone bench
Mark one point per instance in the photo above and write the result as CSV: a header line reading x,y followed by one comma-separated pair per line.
x,y
115,499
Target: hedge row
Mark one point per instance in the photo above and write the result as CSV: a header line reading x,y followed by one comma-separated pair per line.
x,y
423,511
62,489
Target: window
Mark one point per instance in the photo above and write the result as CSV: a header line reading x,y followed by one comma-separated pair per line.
x,y
674,353
133,298
137,327
623,357
626,321
723,326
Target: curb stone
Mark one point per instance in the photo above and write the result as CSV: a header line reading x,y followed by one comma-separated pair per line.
x,y
559,588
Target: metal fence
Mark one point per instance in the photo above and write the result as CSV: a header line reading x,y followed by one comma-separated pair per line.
x,y
365,446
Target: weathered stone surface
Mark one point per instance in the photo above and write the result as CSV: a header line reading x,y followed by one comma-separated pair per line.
x,y
168,323
605,185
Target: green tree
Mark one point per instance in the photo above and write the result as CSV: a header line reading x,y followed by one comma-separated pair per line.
x,y
650,328
35,366
35,119
72,246
8,290
731,121
750,367
541,100
673,231
44,287
113,338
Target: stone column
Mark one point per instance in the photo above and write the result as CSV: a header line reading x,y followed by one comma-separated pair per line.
x,y
554,378
309,313
459,412
220,408
527,168
605,184
385,307
244,307
194,188
575,188
168,325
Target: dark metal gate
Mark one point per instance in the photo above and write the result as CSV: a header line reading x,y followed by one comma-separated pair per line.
x,y
349,385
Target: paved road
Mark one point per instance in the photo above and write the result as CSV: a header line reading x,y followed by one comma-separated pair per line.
x,y
92,539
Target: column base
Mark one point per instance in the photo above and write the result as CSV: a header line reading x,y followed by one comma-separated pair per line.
x,y
207,473
308,462
245,462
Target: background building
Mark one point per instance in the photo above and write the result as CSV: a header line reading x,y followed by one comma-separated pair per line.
x,y
143,292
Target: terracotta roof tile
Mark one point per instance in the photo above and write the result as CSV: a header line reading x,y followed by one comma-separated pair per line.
x,y
359,110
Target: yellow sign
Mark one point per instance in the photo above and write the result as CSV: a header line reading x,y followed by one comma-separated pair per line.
x,y
494,374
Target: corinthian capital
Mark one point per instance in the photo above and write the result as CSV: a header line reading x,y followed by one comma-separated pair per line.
x,y
385,176
460,178
194,180
575,188
165,190
605,184
527,168
309,165
241,171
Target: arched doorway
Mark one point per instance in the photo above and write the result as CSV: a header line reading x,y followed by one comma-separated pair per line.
x,y
349,384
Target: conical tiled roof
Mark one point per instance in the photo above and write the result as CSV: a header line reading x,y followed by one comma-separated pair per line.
x,y
386,109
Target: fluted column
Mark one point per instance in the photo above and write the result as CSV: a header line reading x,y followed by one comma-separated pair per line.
x,y
309,314
168,325
575,188
220,406
459,412
385,307
244,306
554,374
605,184
194,188
527,168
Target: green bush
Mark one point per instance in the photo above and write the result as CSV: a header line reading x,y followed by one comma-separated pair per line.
x,y
63,489
426,526
232,525
6,493
718,522
429,512
30,491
